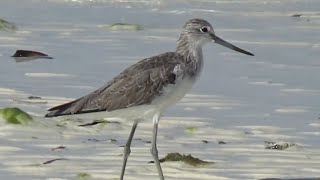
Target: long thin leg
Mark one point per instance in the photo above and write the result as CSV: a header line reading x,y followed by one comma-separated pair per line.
x,y
154,150
127,150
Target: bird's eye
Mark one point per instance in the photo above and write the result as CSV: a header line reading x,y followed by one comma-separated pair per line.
x,y
204,29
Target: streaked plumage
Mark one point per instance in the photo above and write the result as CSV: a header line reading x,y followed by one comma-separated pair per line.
x,y
152,84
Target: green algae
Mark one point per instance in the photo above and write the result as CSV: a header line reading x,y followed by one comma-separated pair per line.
x,y
15,116
188,159
191,130
7,26
83,176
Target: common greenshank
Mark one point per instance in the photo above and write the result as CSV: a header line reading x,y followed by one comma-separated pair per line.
x,y
145,89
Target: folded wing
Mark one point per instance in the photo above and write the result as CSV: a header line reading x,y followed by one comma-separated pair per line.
x,y
137,85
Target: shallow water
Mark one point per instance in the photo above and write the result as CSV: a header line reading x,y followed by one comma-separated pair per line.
x,y
241,100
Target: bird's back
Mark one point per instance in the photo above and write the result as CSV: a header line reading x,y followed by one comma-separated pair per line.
x,y
140,84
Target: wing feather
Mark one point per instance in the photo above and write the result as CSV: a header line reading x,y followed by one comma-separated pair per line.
x,y
137,85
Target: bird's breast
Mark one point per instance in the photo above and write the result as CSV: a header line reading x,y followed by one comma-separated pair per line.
x,y
172,93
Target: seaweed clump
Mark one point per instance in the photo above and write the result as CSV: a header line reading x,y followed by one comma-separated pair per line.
x,y
188,159
15,116
7,26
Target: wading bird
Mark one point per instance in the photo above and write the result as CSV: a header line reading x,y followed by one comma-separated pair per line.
x,y
145,89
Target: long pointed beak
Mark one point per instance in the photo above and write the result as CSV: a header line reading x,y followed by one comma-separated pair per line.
x,y
228,45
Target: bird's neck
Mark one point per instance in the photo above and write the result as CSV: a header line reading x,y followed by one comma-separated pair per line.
x,y
192,53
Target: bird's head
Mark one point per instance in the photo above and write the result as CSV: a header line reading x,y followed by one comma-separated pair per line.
x,y
199,32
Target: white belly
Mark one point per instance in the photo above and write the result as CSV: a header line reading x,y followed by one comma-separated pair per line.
x,y
172,93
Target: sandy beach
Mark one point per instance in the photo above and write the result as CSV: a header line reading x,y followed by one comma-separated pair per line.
x,y
253,117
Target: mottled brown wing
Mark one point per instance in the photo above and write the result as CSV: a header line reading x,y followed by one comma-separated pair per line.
x,y
137,85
